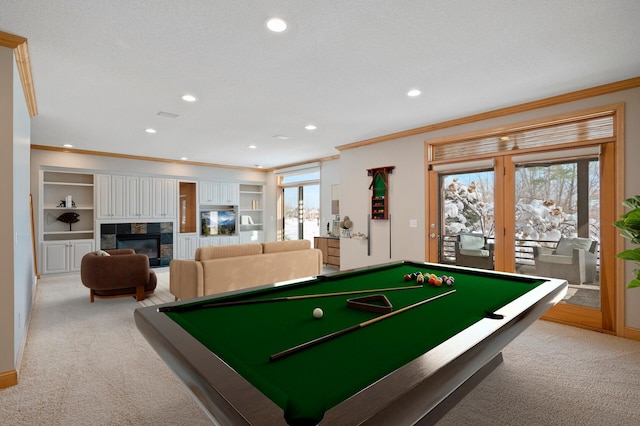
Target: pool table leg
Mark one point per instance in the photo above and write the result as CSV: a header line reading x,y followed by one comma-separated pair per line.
x,y
458,395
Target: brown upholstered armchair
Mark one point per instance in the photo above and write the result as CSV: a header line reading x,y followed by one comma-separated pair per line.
x,y
120,273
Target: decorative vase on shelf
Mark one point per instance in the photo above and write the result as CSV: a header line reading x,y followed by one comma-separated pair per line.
x,y
346,226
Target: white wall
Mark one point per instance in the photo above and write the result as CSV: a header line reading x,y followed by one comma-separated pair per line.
x,y
16,260
24,274
391,239
7,358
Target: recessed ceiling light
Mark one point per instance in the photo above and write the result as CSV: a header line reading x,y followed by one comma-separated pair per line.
x,y
258,166
184,158
277,25
150,130
252,146
310,127
67,145
189,98
413,93
281,137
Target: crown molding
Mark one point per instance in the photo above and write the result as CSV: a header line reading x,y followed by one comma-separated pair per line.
x,y
604,89
20,48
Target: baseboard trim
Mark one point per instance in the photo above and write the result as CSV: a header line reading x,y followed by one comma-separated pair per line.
x,y
632,333
8,379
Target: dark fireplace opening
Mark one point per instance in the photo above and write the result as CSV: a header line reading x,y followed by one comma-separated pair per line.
x,y
148,244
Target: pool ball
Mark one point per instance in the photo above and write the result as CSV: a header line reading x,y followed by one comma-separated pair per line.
x,y
407,277
318,313
420,279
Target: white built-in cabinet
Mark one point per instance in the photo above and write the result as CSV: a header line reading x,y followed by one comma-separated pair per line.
x,y
135,197
138,201
186,246
111,199
218,193
64,256
164,198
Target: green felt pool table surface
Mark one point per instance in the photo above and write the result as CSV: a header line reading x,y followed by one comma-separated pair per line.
x,y
312,381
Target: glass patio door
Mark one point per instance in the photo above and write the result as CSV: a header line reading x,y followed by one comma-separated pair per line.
x,y
537,214
301,212
466,223
557,223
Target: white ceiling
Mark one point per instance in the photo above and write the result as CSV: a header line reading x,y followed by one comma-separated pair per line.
x,y
103,70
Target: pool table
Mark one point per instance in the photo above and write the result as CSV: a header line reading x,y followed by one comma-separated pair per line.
x,y
406,366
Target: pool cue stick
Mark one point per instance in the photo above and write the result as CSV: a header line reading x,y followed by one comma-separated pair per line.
x,y
278,299
342,332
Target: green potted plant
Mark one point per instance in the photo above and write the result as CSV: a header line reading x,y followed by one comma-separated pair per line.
x,y
630,228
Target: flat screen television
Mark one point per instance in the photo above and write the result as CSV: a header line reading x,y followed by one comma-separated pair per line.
x,y
217,222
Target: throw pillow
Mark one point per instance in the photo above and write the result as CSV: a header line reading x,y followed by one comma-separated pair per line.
x,y
102,253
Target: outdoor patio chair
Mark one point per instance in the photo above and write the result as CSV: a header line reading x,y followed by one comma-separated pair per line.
x,y
473,251
574,259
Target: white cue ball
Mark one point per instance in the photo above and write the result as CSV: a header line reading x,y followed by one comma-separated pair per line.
x,y
317,313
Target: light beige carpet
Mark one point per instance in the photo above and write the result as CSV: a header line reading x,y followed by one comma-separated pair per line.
x,y
86,364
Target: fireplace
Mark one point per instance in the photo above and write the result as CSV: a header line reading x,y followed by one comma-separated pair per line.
x,y
148,244
138,236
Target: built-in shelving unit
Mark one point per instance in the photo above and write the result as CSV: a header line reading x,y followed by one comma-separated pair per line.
x,y
66,219
251,212
58,188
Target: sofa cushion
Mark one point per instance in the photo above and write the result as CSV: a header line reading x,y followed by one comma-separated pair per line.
x,y
566,245
471,241
290,245
557,259
220,252
222,275
476,253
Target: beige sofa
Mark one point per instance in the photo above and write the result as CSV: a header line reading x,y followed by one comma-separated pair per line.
x,y
235,267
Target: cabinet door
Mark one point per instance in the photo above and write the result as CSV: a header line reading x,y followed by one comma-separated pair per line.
x,y
138,197
229,193
104,196
209,192
145,197
164,198
187,247
170,200
118,196
133,197
55,257
77,250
